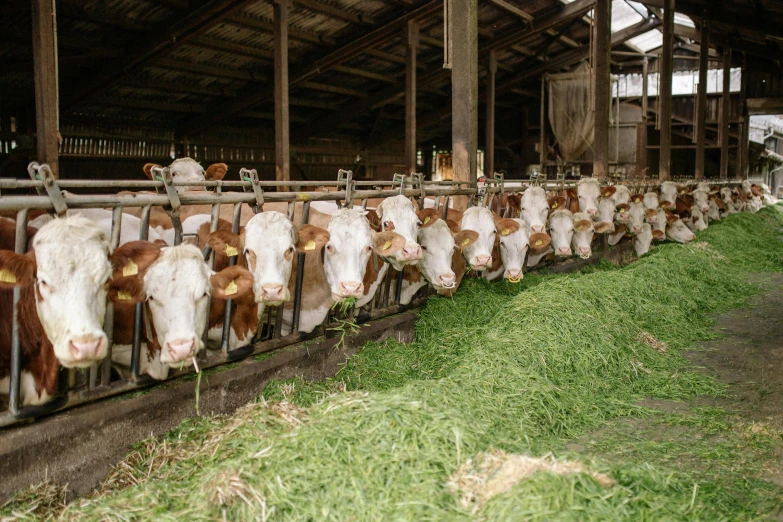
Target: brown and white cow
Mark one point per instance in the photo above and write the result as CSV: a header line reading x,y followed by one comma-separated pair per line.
x,y
582,240
588,191
669,192
561,230
64,283
642,240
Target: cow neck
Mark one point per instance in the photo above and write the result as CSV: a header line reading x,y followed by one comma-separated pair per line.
x,y
315,288
371,273
153,346
411,274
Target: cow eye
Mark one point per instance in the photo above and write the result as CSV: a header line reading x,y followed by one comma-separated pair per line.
x,y
329,248
290,250
43,284
246,252
423,248
419,223
150,298
386,224
369,248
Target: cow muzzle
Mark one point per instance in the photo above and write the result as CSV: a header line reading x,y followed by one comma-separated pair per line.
x,y
592,212
584,252
564,251
537,229
269,294
351,289
86,349
448,280
514,275
481,262
178,350
411,252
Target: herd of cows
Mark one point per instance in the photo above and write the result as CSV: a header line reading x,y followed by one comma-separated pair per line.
x,y
68,272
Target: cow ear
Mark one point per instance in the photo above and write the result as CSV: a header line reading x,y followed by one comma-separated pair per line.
x,y
148,169
216,171
375,221
428,216
557,202
126,291
16,269
311,239
134,258
379,209
232,282
571,192
506,226
387,243
453,226
584,224
225,242
609,191
465,238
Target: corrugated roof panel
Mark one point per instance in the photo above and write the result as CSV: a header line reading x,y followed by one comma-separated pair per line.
x,y
682,19
623,15
647,41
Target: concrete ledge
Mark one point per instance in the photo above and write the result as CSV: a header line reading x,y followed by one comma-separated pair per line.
x,y
77,447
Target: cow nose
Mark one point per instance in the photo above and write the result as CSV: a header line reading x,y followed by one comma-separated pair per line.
x,y
513,274
448,280
585,251
351,289
272,293
636,228
592,212
87,348
537,229
564,251
411,251
482,260
179,350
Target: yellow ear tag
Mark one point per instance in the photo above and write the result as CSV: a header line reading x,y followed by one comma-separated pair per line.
x,y
426,220
231,288
387,245
539,243
505,232
554,205
465,241
622,211
310,245
122,295
231,251
130,269
7,277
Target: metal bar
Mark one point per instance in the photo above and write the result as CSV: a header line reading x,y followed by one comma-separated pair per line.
x,y
226,334
398,289
665,92
300,257
20,247
138,312
725,114
108,323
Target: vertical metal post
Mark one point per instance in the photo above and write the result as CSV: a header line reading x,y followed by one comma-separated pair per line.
x,y
489,146
464,89
108,323
725,114
665,92
602,47
138,313
47,104
701,96
282,143
641,135
412,44
300,257
20,247
226,333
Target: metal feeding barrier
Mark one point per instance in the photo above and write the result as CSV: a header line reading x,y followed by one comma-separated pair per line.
x,y
79,386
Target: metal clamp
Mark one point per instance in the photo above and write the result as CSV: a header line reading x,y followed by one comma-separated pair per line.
x,y
251,175
42,172
164,174
399,178
417,180
347,176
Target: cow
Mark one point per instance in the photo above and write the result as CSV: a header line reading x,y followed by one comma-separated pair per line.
x,y
606,213
728,200
175,285
187,170
642,240
701,199
442,265
636,216
561,229
399,214
511,248
588,191
535,209
582,239
651,201
64,281
696,220
482,221
677,231
669,191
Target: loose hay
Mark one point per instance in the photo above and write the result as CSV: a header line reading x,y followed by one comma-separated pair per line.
x,y
494,473
652,342
44,501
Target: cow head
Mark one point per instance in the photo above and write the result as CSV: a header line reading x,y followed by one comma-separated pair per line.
x,y
636,216
561,228
623,212
399,214
701,199
677,231
651,215
588,191
176,284
351,242
583,235
186,170
696,220
482,221
439,244
535,209
513,241
606,211
713,212
651,201
642,240
668,194
622,195
70,267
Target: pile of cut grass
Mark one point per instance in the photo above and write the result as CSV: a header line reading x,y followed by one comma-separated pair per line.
x,y
515,369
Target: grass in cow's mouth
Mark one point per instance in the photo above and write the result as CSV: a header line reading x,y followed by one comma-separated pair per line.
x,y
494,372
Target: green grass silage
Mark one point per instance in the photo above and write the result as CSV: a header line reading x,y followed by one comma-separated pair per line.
x,y
519,368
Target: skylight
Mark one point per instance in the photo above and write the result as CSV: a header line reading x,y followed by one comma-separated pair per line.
x,y
647,41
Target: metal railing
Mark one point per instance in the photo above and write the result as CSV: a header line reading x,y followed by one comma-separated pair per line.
x,y
97,382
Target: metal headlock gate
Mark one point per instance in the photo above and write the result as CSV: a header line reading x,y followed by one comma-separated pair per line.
x,y
79,386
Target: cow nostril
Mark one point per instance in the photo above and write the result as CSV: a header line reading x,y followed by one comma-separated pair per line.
x,y
87,348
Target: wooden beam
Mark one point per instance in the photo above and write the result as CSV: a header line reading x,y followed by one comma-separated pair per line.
x,y
336,12
701,109
641,156
725,115
489,146
527,17
223,46
765,105
207,70
334,89
183,87
282,123
665,93
47,113
74,10
150,105
363,73
161,43
464,89
601,62
411,45
262,25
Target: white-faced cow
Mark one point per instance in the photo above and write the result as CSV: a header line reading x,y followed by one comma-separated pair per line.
x,y
642,240
582,239
561,229
588,192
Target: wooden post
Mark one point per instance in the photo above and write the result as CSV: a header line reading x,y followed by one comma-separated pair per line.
x,y
464,88
725,114
701,109
523,146
744,131
641,133
412,44
665,95
282,141
489,153
602,46
543,143
47,103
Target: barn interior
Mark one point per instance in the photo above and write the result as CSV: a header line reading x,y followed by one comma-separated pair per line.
x,y
298,89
